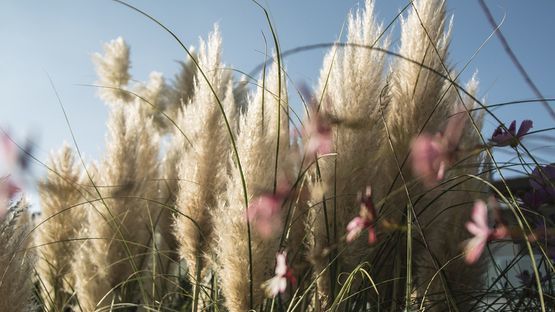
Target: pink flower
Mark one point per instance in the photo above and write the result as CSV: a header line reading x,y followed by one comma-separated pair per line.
x,y
482,232
278,283
366,219
429,158
510,136
318,129
8,187
319,134
265,211
431,155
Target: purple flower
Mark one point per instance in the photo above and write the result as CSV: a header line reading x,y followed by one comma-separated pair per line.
x,y
542,183
511,137
534,199
543,178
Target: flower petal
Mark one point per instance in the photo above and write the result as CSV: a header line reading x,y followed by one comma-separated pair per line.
x,y
512,128
480,214
525,126
474,248
281,263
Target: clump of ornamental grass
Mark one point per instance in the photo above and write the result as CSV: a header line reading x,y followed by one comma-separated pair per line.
x,y
209,197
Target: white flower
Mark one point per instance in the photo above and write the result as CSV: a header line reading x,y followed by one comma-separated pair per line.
x,y
278,283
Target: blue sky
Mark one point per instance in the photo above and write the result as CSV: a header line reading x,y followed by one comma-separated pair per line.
x,y
56,38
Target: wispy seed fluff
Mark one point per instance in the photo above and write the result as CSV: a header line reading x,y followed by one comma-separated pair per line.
x,y
159,100
113,71
182,88
256,144
351,81
123,221
203,166
152,100
61,219
163,102
180,94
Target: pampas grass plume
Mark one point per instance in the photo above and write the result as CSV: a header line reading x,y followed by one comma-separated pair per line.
x,y
62,217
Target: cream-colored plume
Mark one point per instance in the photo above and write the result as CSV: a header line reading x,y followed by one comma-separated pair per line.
x,y
418,79
122,222
113,71
256,146
202,168
63,215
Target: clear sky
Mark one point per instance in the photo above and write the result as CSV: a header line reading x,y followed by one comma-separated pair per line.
x,y
57,37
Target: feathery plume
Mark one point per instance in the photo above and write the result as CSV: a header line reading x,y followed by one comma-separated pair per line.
x,y
182,88
256,144
61,219
113,71
122,224
202,168
180,93
154,101
415,89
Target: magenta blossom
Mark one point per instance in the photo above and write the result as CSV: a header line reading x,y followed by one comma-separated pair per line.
x,y
265,210
510,136
431,155
318,132
318,129
479,227
429,158
278,283
365,220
